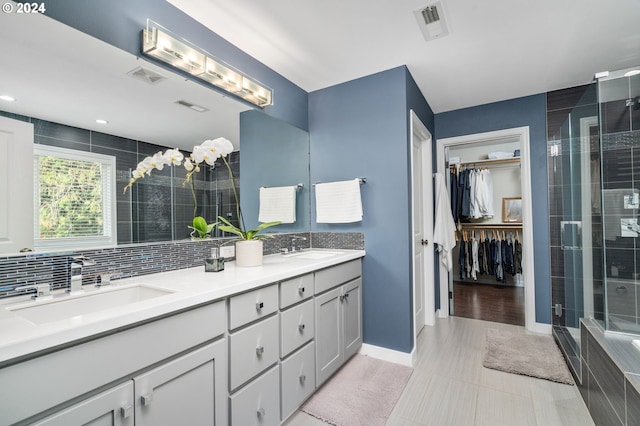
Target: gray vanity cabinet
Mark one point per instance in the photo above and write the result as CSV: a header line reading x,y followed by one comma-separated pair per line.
x,y
338,317
176,376
181,391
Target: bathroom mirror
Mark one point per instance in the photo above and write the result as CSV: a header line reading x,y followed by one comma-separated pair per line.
x,y
64,80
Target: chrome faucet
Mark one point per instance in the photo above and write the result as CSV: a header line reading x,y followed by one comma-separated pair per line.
x,y
293,246
75,273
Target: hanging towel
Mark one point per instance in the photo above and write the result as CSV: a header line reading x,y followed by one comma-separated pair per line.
x,y
338,202
278,204
444,230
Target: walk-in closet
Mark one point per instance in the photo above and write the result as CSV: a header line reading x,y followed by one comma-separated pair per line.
x,y
485,191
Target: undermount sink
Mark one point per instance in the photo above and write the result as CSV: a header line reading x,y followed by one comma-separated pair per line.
x,y
314,254
71,306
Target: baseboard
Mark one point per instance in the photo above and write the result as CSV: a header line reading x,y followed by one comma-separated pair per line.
x,y
540,327
390,355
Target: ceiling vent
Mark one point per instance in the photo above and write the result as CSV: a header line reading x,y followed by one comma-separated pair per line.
x,y
431,21
146,75
192,106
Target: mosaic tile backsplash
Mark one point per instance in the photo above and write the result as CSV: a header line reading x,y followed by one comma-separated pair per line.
x,y
142,259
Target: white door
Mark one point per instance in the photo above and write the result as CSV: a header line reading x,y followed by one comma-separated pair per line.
x,y
422,202
16,185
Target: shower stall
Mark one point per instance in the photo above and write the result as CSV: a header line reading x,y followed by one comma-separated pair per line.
x,y
593,148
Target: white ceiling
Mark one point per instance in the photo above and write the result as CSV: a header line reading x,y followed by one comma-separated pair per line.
x,y
496,49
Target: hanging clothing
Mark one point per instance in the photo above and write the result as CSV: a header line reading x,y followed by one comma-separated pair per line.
x,y
517,257
475,268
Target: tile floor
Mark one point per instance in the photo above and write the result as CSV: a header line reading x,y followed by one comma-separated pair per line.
x,y
449,386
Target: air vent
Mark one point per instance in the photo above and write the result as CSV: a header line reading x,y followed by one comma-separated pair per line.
x,y
192,106
431,21
146,75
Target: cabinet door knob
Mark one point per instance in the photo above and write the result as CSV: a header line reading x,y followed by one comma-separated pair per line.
x,y
259,306
259,350
346,296
146,399
126,411
301,327
303,378
261,412
301,290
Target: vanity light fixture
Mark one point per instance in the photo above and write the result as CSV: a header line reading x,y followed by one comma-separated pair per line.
x,y
161,44
7,98
631,73
101,121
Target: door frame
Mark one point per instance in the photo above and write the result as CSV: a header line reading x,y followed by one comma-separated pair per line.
x,y
521,134
417,127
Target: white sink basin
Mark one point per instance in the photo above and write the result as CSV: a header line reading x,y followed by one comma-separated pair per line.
x,y
71,306
314,254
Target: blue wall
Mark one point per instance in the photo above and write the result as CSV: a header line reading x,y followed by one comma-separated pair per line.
x,y
119,23
274,153
527,111
361,129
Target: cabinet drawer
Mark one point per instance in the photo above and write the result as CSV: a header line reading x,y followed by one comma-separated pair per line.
x,y
297,327
298,379
336,275
253,350
295,290
259,402
248,307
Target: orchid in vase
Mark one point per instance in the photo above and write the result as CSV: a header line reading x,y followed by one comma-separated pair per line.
x,y
207,152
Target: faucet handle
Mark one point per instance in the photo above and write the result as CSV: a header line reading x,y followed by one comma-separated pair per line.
x,y
42,291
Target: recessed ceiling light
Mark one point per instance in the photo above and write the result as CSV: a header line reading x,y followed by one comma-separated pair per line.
x,y
100,121
631,73
7,98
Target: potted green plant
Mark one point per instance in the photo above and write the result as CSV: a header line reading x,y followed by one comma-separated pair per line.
x,y
249,242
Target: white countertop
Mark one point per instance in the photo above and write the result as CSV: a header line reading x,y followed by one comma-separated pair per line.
x,y
19,338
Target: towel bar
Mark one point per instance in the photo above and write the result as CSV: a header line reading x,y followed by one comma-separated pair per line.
x,y
362,180
298,186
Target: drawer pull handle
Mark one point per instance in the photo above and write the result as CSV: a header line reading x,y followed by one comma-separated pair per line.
x,y
261,412
303,378
126,411
301,327
259,306
620,289
146,399
301,290
259,350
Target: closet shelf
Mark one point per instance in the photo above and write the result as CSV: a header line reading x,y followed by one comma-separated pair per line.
x,y
511,160
491,225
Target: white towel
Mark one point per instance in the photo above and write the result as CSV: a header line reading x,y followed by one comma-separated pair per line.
x,y
278,204
338,202
444,229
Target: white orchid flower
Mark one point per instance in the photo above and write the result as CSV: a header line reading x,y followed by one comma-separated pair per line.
x,y
224,146
173,157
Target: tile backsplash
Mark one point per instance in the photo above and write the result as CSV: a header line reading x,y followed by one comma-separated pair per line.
x,y
142,259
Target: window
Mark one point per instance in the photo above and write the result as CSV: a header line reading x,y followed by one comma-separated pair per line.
x,y
74,198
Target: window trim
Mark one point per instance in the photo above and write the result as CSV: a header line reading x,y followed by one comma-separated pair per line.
x,y
110,237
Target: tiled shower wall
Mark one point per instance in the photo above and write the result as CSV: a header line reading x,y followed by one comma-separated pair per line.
x,y
143,259
158,207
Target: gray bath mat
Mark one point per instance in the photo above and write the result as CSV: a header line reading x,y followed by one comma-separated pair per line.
x,y
526,354
362,393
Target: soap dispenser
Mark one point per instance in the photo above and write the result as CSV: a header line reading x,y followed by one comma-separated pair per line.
x,y
214,263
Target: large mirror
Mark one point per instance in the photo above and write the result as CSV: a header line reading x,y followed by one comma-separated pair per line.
x,y
64,80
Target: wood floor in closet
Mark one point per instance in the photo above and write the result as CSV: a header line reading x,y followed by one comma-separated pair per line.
x,y
497,303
